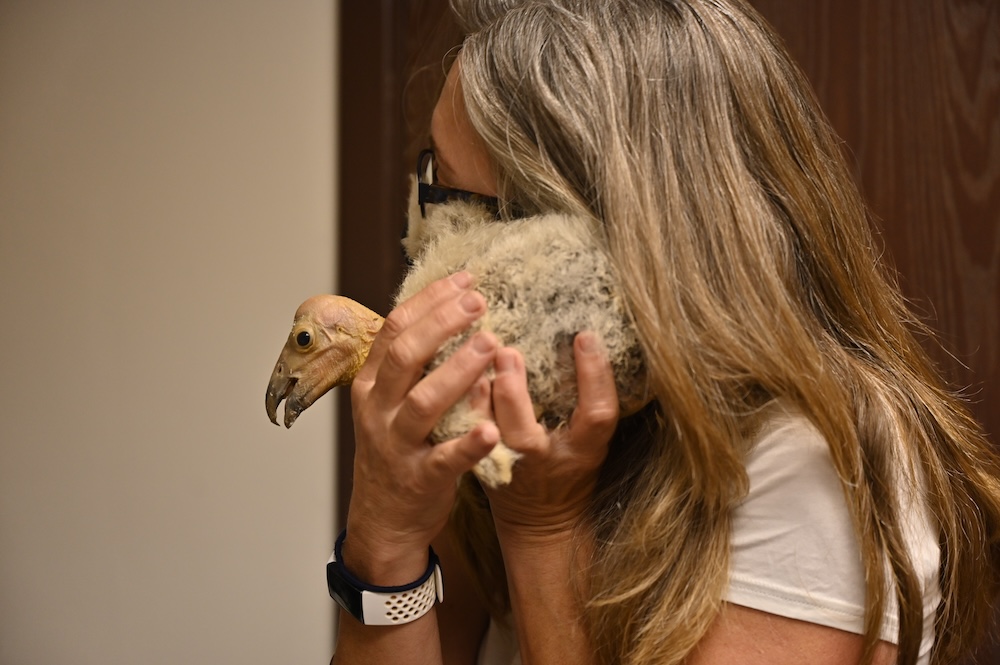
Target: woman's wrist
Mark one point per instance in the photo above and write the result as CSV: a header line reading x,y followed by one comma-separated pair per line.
x,y
535,539
379,562
541,531
543,571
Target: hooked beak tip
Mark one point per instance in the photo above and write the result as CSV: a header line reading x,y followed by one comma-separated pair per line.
x,y
272,408
277,390
291,415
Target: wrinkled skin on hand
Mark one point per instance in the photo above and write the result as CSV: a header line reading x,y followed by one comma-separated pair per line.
x,y
559,469
404,486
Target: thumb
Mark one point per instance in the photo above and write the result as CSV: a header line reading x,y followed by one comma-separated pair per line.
x,y
450,459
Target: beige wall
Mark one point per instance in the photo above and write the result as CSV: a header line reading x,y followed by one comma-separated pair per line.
x,y
166,200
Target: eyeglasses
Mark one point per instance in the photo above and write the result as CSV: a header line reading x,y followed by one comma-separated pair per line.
x,y
429,192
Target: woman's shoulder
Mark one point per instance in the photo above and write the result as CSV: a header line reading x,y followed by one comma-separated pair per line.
x,y
795,552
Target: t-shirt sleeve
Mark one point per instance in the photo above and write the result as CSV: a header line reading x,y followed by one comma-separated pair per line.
x,y
794,550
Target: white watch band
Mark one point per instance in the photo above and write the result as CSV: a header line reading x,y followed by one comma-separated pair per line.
x,y
392,609
384,606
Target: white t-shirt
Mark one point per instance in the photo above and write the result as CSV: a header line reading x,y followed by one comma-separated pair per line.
x,y
794,551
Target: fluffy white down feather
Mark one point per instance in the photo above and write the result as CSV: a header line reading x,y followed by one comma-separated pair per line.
x,y
545,278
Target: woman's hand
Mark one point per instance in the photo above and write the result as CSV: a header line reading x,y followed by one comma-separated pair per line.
x,y
404,487
554,480
537,516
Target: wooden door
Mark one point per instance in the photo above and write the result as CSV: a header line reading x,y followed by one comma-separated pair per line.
x,y
914,90
912,87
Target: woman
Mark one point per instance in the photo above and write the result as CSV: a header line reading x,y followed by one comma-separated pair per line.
x,y
802,488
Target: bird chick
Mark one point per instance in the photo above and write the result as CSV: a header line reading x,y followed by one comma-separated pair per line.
x,y
545,279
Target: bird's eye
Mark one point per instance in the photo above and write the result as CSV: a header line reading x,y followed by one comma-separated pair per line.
x,y
303,339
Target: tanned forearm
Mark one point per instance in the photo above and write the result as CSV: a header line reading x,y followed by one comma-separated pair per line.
x,y
541,573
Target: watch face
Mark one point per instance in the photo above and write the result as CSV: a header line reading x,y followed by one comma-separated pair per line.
x,y
348,597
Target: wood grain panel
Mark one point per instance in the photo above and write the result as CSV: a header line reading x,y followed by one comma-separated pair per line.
x,y
914,89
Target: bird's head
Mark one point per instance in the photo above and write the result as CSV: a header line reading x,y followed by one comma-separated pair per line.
x,y
329,342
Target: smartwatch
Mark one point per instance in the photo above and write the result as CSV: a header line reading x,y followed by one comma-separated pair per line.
x,y
383,605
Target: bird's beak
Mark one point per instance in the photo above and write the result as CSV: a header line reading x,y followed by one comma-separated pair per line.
x,y
299,388
278,389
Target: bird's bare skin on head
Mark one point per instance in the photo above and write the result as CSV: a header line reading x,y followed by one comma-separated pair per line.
x,y
329,342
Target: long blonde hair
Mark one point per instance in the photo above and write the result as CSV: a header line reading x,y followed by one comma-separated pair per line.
x,y
746,256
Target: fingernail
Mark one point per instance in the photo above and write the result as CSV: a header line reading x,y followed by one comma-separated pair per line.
x,y
488,433
471,302
462,280
505,362
479,390
588,342
483,343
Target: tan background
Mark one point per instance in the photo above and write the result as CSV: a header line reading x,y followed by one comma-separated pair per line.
x,y
166,200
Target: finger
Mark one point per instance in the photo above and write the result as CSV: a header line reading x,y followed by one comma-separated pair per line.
x,y
407,355
447,461
409,311
597,408
512,407
427,402
480,398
